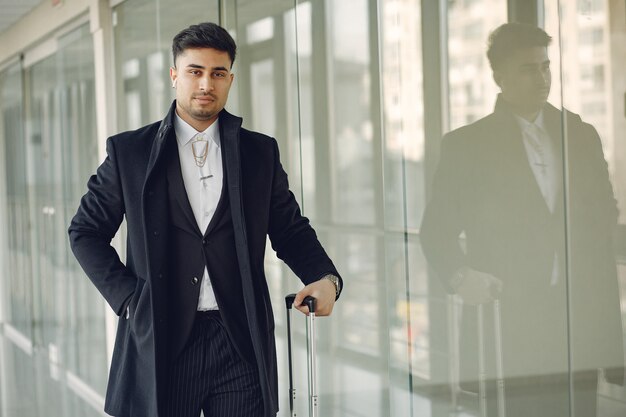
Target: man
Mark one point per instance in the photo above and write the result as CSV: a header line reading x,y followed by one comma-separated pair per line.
x,y
503,184
200,194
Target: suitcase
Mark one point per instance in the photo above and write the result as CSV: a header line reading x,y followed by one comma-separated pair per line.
x,y
454,304
311,355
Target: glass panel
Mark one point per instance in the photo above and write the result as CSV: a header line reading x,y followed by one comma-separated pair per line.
x,y
61,356
83,311
406,284
498,232
309,82
594,81
143,32
18,284
62,150
472,90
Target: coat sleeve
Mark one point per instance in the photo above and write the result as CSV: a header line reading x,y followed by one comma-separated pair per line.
x,y
96,222
291,234
442,222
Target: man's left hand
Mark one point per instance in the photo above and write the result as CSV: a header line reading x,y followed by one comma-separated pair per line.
x,y
323,291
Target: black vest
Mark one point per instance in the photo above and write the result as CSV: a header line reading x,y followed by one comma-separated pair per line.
x,y
189,250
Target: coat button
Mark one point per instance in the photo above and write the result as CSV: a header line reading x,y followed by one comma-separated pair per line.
x,y
156,233
194,280
204,241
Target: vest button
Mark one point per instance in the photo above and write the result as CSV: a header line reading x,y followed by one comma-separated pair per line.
x,y
194,280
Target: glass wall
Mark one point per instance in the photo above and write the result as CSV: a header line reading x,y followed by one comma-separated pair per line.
x,y
55,329
18,251
410,208
480,231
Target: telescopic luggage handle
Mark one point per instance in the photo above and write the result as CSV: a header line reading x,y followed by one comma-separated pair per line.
x,y
310,302
453,303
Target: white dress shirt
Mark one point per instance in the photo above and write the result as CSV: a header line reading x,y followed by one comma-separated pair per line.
x,y
542,157
545,164
203,186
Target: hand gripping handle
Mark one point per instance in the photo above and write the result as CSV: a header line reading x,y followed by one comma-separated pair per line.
x,y
309,301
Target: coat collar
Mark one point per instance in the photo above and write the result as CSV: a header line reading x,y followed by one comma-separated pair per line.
x,y
165,128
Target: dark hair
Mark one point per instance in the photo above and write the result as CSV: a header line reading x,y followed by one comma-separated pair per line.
x,y
511,37
204,35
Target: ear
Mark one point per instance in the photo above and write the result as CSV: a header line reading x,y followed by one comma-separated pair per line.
x,y
173,76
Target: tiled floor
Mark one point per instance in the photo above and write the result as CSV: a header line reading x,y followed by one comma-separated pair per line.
x,y
30,387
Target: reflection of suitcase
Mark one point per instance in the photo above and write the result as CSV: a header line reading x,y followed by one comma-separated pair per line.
x,y
454,304
311,354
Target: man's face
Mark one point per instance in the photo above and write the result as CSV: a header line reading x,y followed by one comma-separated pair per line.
x,y
202,79
525,78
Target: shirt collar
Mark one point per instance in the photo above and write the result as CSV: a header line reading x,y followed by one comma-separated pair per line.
x,y
525,124
185,132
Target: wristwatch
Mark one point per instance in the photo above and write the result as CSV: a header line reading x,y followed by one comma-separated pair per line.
x,y
335,281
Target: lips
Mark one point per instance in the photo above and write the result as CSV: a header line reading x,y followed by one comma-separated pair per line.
x,y
205,99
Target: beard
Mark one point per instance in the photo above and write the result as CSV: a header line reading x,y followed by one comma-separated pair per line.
x,y
201,114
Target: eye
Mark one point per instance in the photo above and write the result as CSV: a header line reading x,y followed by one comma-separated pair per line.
x,y
195,72
219,74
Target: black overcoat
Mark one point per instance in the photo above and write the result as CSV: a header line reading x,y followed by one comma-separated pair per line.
x,y
132,183
484,188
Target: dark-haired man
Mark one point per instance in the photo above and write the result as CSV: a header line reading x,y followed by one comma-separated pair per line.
x,y
200,194
502,182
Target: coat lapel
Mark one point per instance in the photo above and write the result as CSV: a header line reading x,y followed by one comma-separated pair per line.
x,y
230,128
176,187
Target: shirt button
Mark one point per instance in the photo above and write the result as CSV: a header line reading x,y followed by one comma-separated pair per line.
x,y
194,280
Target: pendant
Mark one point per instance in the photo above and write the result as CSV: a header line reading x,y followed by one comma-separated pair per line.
x,y
200,149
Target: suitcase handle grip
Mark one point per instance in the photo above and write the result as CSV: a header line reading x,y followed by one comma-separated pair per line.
x,y
309,301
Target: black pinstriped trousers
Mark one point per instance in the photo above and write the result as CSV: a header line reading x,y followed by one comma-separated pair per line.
x,y
209,375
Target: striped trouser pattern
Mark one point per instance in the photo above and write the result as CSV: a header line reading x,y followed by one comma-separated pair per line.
x,y
209,375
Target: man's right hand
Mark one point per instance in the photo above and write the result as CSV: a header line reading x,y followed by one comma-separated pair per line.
x,y
476,287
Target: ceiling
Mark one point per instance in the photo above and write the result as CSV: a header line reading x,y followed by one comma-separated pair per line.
x,y
12,10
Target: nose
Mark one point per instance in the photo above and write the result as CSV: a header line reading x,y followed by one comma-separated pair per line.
x,y
206,83
544,76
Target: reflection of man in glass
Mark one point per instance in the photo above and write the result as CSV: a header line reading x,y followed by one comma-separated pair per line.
x,y
528,188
